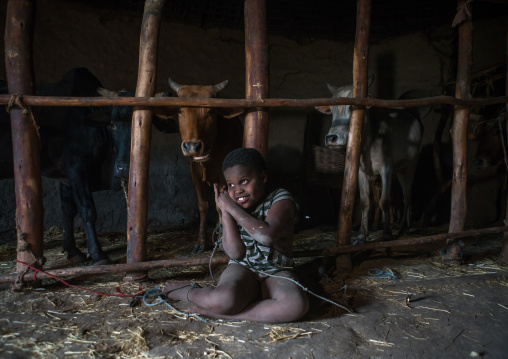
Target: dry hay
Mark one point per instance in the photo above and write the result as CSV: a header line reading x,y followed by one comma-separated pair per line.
x,y
281,333
129,332
416,274
133,341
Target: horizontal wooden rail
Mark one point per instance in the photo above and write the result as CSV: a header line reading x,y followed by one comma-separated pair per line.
x,y
223,259
116,268
268,102
414,241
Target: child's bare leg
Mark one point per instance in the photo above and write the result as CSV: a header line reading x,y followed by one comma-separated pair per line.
x,y
283,301
237,288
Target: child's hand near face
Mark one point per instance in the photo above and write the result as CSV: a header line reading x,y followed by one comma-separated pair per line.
x,y
222,198
231,241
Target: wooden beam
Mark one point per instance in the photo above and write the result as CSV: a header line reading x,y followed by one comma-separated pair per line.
x,y
25,136
459,131
137,203
136,267
256,73
223,259
360,87
30,100
415,241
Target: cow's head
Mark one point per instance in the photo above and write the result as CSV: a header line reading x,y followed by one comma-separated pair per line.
x,y
198,125
341,115
487,133
116,122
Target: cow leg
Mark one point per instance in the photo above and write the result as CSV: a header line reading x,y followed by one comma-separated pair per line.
x,y
69,211
86,208
364,186
406,182
501,201
376,194
385,203
200,246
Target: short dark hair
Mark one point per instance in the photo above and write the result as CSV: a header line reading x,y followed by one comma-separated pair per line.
x,y
248,157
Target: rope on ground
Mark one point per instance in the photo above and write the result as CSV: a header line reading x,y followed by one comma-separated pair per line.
x,y
387,273
120,293
349,310
38,262
290,279
157,293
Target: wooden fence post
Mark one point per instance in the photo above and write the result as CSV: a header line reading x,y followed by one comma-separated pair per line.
x,y
25,136
459,131
360,88
256,74
141,137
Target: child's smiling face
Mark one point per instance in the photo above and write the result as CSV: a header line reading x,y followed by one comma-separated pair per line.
x,y
246,186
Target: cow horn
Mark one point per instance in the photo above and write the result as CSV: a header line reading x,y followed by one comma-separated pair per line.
x,y
106,93
174,85
332,88
219,87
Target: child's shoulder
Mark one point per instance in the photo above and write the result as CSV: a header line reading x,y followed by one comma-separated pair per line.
x,y
279,194
275,196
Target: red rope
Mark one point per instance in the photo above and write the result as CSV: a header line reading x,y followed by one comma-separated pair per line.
x,y
121,294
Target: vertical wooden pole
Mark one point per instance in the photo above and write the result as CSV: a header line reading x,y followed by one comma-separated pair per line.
x,y
360,88
137,202
504,252
459,132
25,137
256,72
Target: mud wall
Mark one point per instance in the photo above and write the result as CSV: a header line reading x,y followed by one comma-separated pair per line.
x,y
71,35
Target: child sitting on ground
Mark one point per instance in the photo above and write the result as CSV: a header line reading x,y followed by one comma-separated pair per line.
x,y
258,230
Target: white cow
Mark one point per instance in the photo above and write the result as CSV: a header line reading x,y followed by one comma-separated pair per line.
x,y
391,141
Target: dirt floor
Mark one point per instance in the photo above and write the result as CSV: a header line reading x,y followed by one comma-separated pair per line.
x,y
454,311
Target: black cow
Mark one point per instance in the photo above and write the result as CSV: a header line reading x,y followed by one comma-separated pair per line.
x,y
86,148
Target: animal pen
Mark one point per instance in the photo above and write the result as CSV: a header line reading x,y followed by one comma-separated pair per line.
x,y
29,209
423,308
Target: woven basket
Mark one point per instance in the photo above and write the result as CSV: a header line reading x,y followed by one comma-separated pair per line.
x,y
325,166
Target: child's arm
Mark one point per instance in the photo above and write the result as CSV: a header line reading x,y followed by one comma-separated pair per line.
x,y
277,224
231,240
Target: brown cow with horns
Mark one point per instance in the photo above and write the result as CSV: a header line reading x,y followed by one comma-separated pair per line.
x,y
208,135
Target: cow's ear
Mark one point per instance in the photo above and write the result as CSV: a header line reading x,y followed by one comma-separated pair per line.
x,y
165,112
165,125
106,93
98,119
324,109
230,112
